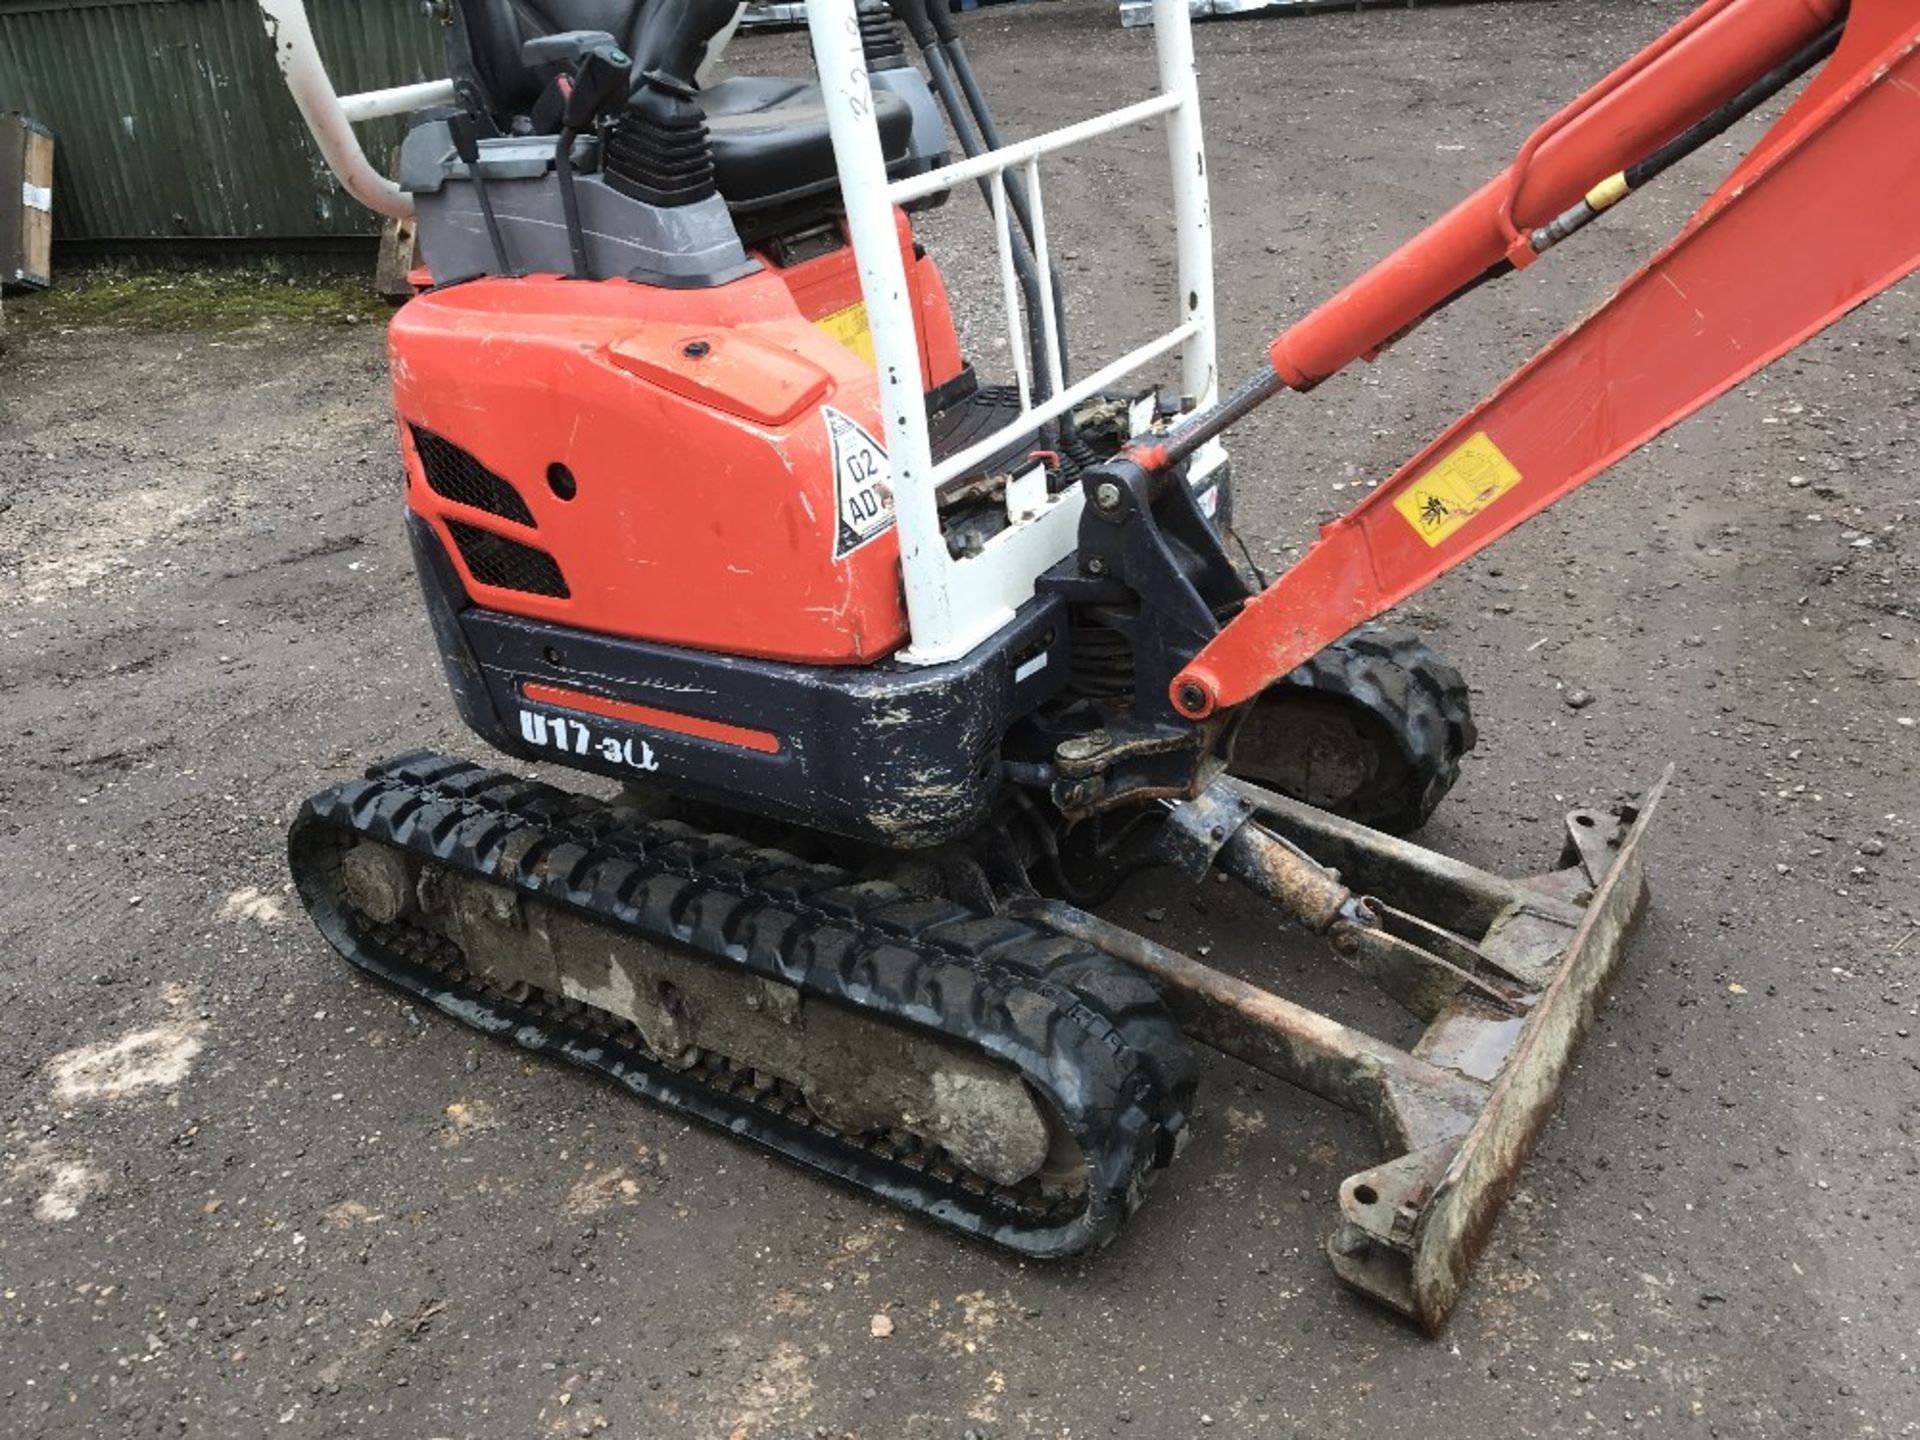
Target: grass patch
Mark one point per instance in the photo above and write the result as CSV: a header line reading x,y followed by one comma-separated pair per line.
x,y
219,300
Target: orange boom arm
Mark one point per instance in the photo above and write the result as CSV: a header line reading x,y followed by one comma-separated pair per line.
x,y
1821,216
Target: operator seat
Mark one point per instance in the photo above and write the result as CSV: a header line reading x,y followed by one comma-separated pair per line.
x,y
769,137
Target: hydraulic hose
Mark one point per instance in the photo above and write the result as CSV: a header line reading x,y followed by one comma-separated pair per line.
x,y
916,15
1708,128
1016,187
1602,197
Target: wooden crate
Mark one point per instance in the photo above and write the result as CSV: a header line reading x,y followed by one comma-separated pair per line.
x,y
26,204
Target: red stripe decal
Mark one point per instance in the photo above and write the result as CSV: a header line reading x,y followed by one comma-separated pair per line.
x,y
717,730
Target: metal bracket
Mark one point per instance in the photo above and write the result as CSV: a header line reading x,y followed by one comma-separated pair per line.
x,y
1194,833
1144,539
1124,764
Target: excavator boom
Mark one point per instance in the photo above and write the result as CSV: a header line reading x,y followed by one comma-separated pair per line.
x,y
1821,216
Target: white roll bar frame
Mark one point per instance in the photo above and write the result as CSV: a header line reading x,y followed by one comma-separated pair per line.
x,y
955,604
330,119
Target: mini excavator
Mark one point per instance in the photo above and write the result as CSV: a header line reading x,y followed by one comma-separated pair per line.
x,y
903,669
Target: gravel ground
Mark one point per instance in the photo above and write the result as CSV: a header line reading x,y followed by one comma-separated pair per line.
x,y
243,1193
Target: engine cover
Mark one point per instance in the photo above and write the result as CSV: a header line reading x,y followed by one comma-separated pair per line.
x,y
700,468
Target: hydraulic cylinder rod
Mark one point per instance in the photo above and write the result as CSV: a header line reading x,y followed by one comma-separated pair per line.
x,y
1687,78
1707,60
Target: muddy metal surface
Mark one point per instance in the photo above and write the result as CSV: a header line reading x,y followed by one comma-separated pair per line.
x,y
242,1192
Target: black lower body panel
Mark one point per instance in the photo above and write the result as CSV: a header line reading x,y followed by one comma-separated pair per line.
x,y
898,755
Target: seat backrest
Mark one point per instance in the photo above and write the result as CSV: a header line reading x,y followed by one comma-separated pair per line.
x,y
483,46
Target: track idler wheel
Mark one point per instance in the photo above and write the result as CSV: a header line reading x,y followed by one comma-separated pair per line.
x,y
1372,729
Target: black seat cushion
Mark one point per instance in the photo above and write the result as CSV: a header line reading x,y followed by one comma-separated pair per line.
x,y
770,139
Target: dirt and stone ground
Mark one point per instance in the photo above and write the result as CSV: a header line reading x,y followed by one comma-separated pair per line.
x,y
242,1192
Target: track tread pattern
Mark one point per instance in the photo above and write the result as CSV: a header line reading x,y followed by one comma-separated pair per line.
x,y
1087,1033
1420,697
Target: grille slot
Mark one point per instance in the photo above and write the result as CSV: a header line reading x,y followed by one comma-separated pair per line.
x,y
454,475
507,564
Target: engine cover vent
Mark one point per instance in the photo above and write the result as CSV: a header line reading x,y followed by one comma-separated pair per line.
x,y
454,475
507,564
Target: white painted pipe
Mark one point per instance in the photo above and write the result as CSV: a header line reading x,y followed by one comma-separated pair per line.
x,y
399,100
1010,290
327,120
1021,151
1192,217
1043,264
835,31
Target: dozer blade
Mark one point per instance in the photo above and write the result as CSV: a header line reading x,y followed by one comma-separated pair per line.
x,y
1408,1238
1508,975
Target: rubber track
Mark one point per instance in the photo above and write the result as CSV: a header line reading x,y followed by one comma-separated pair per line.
x,y
1420,697
1086,1032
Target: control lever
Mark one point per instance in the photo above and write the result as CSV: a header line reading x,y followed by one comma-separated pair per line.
x,y
565,48
466,144
599,74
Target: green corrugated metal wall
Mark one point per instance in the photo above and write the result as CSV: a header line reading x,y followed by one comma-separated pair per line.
x,y
176,135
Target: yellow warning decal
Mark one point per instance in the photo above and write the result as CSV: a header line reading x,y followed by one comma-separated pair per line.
x,y
850,328
1457,489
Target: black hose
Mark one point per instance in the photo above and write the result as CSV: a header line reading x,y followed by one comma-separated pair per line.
x,y
1737,109
570,204
1702,132
1016,185
930,24
1023,267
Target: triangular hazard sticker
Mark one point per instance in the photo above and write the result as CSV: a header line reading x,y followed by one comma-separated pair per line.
x,y
862,484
